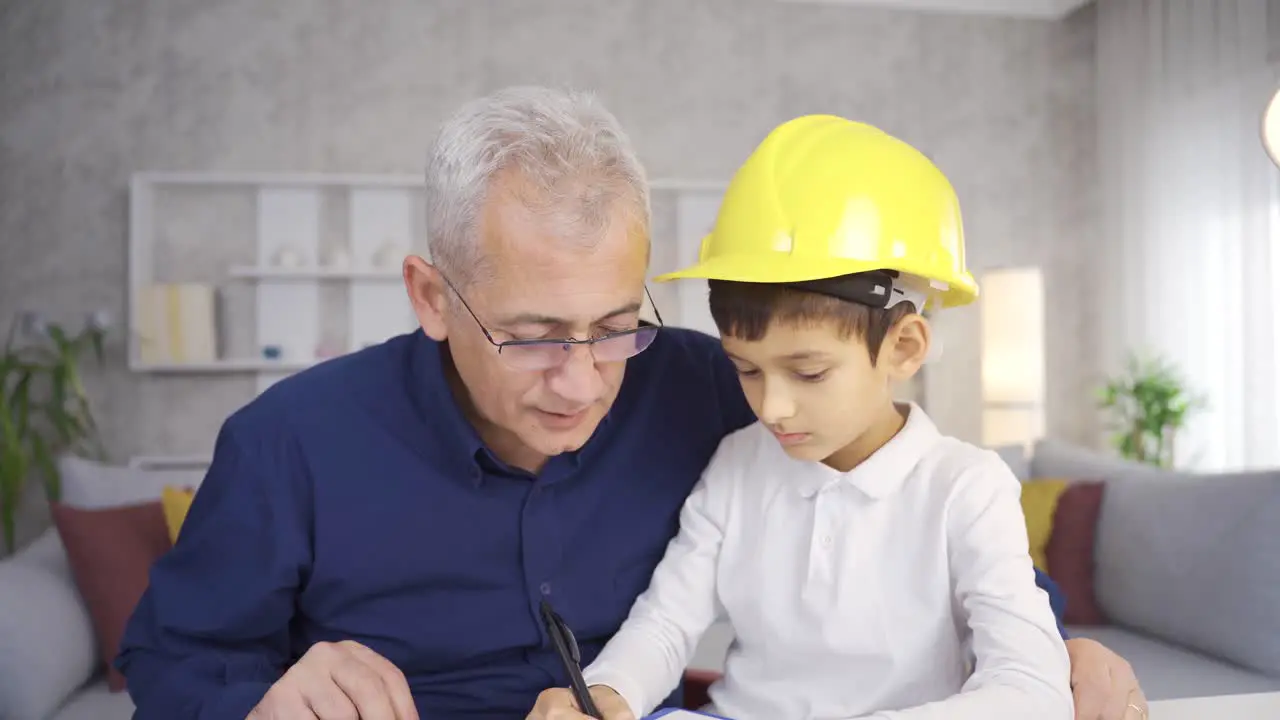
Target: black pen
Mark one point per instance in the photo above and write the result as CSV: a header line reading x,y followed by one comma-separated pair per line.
x,y
567,649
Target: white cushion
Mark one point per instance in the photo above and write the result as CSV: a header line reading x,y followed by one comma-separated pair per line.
x,y
47,645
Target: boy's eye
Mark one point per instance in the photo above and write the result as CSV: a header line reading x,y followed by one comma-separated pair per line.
x,y
747,373
812,377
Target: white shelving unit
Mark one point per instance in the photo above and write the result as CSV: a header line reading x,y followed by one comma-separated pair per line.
x,y
230,232
307,217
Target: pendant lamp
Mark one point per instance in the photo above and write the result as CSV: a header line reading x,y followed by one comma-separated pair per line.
x,y
1271,128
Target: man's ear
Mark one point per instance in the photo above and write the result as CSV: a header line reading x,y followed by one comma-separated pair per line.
x,y
428,295
906,346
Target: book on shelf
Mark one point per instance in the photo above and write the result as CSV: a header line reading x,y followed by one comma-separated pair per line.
x,y
177,323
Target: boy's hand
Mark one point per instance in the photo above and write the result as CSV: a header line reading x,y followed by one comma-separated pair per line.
x,y
558,704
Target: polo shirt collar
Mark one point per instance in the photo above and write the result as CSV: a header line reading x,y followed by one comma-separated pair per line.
x,y
881,474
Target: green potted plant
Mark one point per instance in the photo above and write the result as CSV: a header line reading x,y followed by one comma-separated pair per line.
x,y
44,410
1149,405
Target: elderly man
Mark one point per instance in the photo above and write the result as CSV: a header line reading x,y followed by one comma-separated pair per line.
x,y
376,535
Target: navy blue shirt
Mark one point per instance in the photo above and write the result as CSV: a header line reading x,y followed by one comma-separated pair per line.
x,y
354,501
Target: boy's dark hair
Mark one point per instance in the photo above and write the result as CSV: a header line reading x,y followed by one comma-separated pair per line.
x,y
745,310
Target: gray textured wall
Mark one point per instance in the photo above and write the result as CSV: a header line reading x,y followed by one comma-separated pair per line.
x,y
92,91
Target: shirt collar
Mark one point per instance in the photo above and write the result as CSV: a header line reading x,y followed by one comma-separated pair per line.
x,y
881,474
459,442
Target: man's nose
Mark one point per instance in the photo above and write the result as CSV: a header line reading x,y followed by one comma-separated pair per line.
x,y
776,403
577,380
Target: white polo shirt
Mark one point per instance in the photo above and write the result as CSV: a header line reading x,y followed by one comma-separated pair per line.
x,y
866,594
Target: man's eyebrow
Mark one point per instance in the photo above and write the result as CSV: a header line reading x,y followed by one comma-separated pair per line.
x,y
550,321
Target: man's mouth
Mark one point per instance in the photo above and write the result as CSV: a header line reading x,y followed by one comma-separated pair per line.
x,y
562,420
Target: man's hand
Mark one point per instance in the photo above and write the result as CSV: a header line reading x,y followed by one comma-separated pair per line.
x,y
1103,683
558,704
339,681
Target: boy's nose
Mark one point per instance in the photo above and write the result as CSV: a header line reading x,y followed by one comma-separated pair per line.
x,y
776,404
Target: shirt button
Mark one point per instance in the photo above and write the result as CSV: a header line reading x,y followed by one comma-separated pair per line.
x,y
826,540
545,588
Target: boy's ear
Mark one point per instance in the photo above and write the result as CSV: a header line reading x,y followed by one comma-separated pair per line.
x,y
907,346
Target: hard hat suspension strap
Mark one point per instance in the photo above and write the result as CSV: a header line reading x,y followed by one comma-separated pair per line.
x,y
874,288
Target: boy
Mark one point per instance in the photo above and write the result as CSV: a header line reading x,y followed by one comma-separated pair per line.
x,y
869,566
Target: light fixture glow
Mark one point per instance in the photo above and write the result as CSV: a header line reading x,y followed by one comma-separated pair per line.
x,y
1271,128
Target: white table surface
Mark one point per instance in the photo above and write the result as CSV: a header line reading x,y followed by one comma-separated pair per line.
x,y
1260,706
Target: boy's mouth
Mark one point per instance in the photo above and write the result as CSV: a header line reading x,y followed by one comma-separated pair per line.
x,y
791,438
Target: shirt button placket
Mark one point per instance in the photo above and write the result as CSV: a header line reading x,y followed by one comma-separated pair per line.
x,y
538,543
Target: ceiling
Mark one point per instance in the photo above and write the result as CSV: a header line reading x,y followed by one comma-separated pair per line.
x,y
1049,9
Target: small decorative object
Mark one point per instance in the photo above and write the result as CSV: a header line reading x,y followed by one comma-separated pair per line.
x,y
1150,403
337,258
44,410
272,352
389,255
288,257
328,349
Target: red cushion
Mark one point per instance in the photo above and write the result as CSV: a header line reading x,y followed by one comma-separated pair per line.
x,y
696,684
1070,551
110,552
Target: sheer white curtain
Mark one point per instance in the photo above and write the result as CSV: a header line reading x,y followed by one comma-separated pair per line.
x,y
1189,256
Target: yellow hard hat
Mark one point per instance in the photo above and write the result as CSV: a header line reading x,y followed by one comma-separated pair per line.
x,y
822,197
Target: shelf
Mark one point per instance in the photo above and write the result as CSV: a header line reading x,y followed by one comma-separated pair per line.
x,y
254,272
245,365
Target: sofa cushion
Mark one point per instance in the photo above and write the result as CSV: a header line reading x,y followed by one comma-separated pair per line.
x,y
1055,458
1015,456
1070,551
46,635
111,551
88,484
176,502
96,701
1039,502
1168,672
1192,560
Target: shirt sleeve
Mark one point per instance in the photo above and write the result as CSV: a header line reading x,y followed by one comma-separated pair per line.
x,y
644,661
210,634
1057,601
1021,665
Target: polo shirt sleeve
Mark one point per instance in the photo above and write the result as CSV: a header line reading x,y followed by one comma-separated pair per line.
x,y
1022,668
210,634
646,658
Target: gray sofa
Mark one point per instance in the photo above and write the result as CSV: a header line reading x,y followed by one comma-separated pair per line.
x,y
50,665
1187,569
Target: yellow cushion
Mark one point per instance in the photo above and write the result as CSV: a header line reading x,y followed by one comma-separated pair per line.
x,y
1039,503
176,501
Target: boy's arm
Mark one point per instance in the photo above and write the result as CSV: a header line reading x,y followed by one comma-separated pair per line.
x,y
1021,664
644,661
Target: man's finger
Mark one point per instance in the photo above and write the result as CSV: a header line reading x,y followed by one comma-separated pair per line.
x,y
285,704
364,686
1090,696
319,698
1123,685
396,684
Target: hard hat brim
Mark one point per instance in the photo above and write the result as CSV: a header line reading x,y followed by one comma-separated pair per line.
x,y
788,268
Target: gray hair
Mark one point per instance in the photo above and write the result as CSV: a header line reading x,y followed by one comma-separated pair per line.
x,y
565,144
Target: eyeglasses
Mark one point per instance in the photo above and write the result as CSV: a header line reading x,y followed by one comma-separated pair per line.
x,y
548,353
